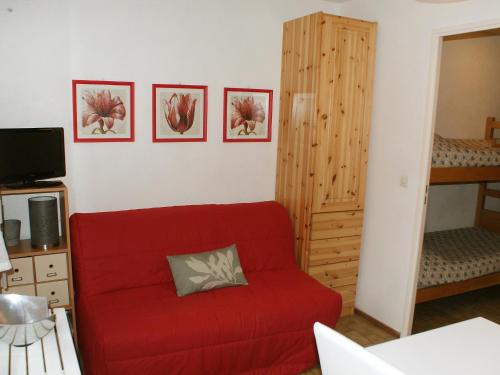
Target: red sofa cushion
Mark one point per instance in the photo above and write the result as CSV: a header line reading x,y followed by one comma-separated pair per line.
x,y
127,249
267,324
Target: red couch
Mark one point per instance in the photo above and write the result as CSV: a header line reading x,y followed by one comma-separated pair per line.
x,y
131,322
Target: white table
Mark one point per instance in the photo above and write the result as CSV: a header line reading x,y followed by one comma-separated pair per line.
x,y
466,348
53,355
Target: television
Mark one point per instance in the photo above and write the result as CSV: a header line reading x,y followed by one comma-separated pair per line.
x,y
31,154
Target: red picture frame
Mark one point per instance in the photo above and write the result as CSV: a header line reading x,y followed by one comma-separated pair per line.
x,y
118,98
252,111
168,123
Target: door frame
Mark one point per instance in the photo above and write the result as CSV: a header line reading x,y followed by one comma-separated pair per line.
x,y
426,160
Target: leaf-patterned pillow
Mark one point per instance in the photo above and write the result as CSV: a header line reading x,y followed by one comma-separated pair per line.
x,y
199,272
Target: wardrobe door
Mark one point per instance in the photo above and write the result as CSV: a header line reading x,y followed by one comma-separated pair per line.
x,y
344,106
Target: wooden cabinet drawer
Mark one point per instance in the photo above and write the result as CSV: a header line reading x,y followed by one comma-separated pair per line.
x,y
26,290
21,272
336,224
348,293
337,274
334,250
55,291
51,267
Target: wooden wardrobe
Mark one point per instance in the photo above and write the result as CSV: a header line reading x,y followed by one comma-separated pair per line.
x,y
325,108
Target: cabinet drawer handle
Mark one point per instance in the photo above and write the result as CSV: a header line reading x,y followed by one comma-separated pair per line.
x,y
53,301
52,274
17,278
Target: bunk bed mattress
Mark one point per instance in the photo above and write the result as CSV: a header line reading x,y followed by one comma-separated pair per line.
x,y
449,153
459,254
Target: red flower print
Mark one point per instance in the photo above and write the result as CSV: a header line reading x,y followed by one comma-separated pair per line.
x,y
103,109
247,113
179,112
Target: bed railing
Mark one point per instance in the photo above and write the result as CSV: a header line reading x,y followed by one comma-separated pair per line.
x,y
491,125
485,218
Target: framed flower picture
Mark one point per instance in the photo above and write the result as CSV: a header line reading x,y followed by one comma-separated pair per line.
x,y
247,115
179,113
103,111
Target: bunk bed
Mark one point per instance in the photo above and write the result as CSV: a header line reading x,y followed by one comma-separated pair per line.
x,y
461,260
466,160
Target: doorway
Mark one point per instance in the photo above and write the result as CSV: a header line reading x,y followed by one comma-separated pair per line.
x,y
443,110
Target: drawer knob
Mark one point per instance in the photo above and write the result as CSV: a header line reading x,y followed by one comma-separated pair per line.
x,y
52,293
52,274
53,301
17,279
16,270
51,266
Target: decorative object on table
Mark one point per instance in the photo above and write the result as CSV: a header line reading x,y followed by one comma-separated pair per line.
x,y
179,113
247,115
54,355
44,222
24,319
4,257
198,272
103,111
12,231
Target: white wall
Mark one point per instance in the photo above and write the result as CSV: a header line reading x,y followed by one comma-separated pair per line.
x,y
469,91
34,74
45,44
469,87
397,143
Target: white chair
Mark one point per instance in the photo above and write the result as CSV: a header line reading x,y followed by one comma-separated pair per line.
x,y
340,356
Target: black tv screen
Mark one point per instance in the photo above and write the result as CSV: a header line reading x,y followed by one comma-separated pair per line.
x,y
30,154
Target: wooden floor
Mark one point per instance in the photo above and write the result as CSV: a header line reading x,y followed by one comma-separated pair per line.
x,y
428,315
441,312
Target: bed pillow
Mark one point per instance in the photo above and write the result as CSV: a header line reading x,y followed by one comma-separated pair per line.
x,y
198,272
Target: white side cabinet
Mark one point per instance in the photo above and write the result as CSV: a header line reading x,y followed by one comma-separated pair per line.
x,y
39,272
41,275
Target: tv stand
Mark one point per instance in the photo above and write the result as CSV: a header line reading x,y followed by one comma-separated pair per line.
x,y
38,272
33,184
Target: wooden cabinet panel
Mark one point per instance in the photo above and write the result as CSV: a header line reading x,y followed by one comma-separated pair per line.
x,y
294,164
56,292
348,293
21,272
336,224
51,267
343,105
336,275
334,250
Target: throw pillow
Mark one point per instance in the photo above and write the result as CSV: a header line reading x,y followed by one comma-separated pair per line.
x,y
208,270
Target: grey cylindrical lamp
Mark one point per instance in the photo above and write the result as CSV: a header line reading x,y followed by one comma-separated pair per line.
x,y
44,222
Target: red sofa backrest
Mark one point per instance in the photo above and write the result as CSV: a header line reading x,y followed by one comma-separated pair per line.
x,y
126,249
